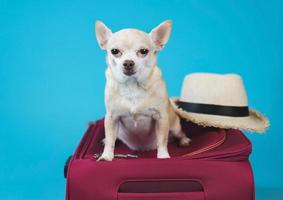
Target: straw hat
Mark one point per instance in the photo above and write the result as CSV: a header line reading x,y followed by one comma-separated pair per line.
x,y
218,101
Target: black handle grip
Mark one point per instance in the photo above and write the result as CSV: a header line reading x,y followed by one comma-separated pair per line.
x,y
66,166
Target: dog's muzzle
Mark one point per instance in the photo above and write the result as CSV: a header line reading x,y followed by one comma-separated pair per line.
x,y
129,67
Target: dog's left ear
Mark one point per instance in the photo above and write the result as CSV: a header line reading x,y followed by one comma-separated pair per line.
x,y
161,33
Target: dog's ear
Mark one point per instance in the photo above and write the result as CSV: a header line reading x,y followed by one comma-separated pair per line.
x,y
103,33
161,33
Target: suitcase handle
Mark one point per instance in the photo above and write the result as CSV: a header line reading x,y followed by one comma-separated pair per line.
x,y
161,189
162,196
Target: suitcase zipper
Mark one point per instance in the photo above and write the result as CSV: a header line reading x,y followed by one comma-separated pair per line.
x,y
210,147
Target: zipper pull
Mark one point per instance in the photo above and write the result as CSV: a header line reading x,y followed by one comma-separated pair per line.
x,y
97,155
132,156
125,156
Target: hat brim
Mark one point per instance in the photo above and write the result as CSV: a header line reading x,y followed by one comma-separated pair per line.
x,y
255,122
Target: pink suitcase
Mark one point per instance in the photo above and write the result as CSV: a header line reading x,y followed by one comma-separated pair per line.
x,y
214,167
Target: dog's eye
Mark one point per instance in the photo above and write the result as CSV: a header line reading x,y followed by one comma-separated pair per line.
x,y
116,52
143,51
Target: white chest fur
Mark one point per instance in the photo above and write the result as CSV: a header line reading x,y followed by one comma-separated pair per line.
x,y
136,107
137,118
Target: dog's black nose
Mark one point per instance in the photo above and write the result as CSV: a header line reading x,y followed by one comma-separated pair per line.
x,y
129,64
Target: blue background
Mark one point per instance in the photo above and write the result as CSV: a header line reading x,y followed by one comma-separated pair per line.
x,y
52,77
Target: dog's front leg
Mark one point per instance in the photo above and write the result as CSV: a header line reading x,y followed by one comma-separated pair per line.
x,y
162,132
111,126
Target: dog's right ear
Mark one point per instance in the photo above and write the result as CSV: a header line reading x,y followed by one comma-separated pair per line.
x,y
103,33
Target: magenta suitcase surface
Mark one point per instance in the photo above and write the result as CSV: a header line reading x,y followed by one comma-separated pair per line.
x,y
214,167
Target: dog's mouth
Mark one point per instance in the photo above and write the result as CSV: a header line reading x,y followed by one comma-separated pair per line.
x,y
129,72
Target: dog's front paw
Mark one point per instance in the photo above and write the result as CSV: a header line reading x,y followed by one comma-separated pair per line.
x,y
105,157
163,154
185,141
